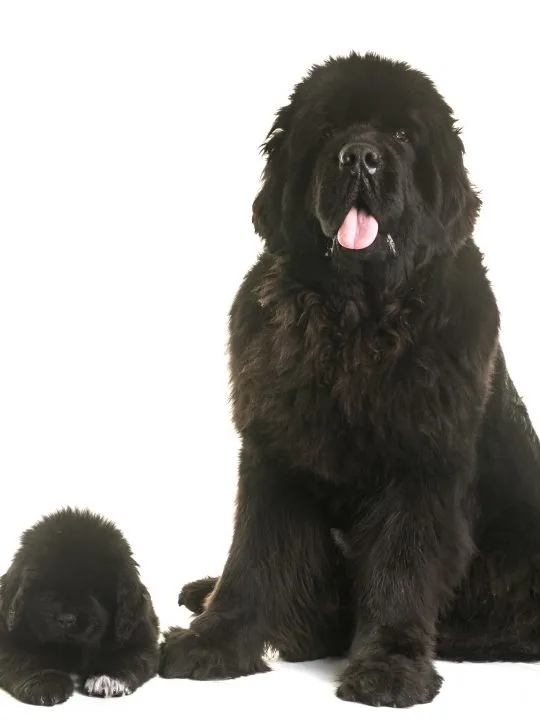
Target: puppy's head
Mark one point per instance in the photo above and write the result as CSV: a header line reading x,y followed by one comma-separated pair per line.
x,y
52,610
364,161
73,579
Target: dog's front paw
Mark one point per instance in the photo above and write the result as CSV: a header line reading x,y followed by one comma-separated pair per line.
x,y
104,686
186,655
49,687
394,681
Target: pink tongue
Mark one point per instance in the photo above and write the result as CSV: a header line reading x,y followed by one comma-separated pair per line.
x,y
358,230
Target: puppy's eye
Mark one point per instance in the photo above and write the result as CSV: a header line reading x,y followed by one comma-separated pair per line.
x,y
327,133
401,135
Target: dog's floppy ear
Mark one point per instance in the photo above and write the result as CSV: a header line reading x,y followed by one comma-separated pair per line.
x,y
459,203
266,209
13,586
131,605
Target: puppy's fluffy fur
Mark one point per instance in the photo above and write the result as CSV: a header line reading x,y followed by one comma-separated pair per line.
x,y
371,395
73,610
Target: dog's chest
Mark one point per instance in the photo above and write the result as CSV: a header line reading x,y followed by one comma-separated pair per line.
x,y
315,378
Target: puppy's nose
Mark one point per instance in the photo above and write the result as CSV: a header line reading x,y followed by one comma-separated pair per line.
x,y
66,620
359,157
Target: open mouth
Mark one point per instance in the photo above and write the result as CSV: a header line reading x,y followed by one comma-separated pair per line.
x,y
358,230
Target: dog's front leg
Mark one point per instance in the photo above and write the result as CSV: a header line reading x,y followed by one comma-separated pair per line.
x,y
280,564
410,550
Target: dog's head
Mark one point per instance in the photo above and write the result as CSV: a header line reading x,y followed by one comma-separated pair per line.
x,y
366,161
56,607
73,579
52,609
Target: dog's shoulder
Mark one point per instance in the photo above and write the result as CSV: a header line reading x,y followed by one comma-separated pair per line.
x,y
465,309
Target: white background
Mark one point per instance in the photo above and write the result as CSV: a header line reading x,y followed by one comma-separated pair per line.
x,y
129,136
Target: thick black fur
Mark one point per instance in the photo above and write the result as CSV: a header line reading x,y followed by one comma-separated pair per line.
x,y
72,604
372,397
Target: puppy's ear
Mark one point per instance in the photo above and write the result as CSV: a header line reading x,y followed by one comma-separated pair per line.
x,y
13,587
266,209
132,602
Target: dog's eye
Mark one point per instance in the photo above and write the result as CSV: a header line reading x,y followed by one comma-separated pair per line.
x,y
327,132
401,135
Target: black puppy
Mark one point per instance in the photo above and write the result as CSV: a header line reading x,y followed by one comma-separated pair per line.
x,y
72,604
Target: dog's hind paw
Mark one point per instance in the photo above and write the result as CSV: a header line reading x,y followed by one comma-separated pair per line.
x,y
195,595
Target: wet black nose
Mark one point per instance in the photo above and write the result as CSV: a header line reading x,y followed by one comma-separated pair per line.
x,y
67,620
359,157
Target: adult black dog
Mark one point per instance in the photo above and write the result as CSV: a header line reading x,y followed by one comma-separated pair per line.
x,y
72,604
371,395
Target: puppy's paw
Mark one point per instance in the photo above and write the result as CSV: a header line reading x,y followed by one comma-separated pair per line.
x,y
49,687
393,681
104,686
186,655
194,594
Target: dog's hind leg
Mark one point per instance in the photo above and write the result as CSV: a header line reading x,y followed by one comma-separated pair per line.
x,y
495,616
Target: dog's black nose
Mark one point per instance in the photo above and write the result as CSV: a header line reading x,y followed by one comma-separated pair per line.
x,y
67,620
360,157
